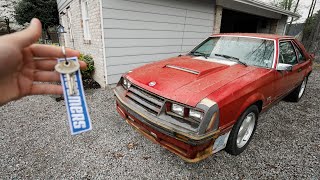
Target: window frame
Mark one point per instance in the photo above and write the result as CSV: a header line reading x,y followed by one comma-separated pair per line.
x,y
292,45
298,49
85,20
69,23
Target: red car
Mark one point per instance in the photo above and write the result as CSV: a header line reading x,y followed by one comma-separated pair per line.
x,y
209,99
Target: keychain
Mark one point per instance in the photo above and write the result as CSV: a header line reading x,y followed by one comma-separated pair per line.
x,y
69,69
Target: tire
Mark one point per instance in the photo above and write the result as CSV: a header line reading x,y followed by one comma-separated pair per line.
x,y
297,93
237,143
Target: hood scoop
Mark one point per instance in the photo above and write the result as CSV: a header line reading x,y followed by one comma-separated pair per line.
x,y
182,69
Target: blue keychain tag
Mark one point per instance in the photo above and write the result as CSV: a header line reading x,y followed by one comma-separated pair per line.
x,y
79,119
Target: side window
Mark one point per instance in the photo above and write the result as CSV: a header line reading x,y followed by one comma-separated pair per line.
x,y
301,57
85,19
287,54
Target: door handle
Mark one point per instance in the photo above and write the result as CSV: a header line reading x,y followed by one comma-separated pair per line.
x,y
299,70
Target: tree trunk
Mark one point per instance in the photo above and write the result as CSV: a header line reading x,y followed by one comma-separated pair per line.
x,y
7,21
48,34
311,7
295,10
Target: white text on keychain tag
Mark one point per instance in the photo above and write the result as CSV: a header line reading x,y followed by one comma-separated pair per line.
x,y
71,81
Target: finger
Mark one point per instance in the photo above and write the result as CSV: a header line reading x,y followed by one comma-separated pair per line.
x,y
45,65
49,64
28,36
83,65
46,76
38,89
41,50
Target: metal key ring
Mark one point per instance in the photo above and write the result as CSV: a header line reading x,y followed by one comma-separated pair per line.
x,y
64,54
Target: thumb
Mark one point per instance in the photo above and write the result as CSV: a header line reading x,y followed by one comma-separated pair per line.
x,y
27,36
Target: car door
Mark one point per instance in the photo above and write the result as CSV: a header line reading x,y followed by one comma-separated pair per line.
x,y
302,65
286,80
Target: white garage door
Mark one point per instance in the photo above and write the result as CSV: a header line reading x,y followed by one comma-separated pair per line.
x,y
142,31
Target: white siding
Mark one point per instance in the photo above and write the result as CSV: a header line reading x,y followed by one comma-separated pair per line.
x,y
62,4
142,31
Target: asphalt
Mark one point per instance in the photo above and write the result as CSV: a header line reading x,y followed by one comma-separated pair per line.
x,y
35,143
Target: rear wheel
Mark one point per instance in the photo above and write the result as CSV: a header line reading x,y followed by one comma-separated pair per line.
x,y
242,132
297,94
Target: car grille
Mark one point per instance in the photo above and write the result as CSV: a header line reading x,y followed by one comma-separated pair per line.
x,y
146,100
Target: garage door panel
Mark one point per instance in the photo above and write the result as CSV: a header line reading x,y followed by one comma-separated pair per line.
x,y
141,16
123,68
200,15
112,79
195,5
115,61
196,35
124,33
142,31
198,28
194,21
142,42
193,42
187,48
116,52
125,24
142,7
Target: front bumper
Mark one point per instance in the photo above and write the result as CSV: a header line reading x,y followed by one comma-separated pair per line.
x,y
190,147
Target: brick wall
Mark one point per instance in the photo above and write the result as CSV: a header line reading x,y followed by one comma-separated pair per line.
x,y
94,47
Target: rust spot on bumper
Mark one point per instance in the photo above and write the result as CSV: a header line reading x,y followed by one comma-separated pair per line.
x,y
188,152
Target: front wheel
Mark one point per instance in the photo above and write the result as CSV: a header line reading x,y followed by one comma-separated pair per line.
x,y
242,132
297,94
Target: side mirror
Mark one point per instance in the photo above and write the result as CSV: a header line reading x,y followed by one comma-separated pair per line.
x,y
284,67
312,55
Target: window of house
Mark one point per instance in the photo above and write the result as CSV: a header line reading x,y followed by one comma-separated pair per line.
x,y
85,20
69,23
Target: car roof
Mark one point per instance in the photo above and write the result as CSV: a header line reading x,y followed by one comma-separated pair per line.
x,y
256,35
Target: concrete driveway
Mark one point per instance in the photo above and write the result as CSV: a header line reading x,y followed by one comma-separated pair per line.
x,y
35,142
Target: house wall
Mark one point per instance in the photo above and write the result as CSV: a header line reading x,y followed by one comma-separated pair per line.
x,y
94,47
142,31
281,25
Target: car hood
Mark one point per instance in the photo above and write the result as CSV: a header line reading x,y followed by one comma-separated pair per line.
x,y
187,79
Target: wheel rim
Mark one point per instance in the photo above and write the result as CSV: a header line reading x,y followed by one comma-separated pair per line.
x,y
302,88
246,130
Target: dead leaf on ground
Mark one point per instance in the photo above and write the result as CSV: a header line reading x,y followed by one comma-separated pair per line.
x,y
146,157
131,145
117,155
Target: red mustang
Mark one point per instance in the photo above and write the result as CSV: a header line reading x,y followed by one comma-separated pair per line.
x,y
210,99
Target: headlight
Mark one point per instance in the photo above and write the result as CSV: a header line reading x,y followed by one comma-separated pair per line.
x,y
195,114
177,109
185,112
126,83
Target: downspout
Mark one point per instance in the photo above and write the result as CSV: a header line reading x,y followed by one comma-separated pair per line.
x,y
103,45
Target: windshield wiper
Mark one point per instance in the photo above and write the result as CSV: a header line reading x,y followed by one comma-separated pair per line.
x,y
196,53
231,57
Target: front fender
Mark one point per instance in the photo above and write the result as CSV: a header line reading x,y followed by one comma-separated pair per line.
x,y
251,100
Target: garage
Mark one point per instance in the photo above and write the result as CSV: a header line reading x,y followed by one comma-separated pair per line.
x,y
142,31
248,16
236,21
126,34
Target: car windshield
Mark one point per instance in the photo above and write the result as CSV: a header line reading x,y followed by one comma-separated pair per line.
x,y
244,50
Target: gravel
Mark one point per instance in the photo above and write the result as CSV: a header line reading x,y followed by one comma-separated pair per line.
x,y
35,143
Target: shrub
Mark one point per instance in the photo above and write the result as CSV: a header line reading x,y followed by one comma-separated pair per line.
x,y
87,74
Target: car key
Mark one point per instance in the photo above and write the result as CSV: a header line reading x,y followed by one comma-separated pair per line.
x,y
68,68
74,95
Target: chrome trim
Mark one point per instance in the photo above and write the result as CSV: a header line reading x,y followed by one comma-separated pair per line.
x,y
183,69
154,121
210,107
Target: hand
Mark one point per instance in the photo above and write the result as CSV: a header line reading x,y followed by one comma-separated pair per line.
x,y
24,64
